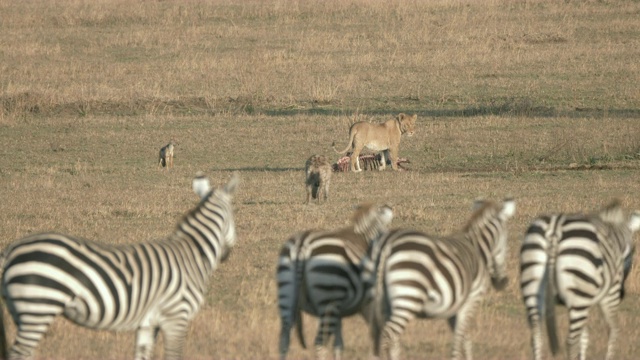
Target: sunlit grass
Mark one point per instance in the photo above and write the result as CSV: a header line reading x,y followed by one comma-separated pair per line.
x,y
536,100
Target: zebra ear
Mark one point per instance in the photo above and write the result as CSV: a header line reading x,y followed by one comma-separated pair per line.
x,y
477,204
200,185
230,188
386,213
508,208
634,222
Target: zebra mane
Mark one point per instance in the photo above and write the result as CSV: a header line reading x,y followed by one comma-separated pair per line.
x,y
227,190
483,208
361,217
367,220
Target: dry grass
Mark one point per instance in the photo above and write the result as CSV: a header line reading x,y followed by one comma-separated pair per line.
x,y
535,99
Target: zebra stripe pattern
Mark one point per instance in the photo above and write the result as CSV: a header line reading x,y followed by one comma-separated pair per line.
x,y
147,287
438,277
328,274
579,261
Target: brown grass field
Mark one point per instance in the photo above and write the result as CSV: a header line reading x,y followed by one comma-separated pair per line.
x,y
534,99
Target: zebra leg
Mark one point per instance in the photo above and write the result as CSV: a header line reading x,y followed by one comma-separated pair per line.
x,y
145,341
459,325
174,335
584,342
393,328
322,338
536,331
338,344
390,342
29,335
326,327
577,320
393,346
610,311
32,320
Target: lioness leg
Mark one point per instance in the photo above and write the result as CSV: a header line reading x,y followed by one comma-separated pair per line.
x,y
383,161
393,158
355,158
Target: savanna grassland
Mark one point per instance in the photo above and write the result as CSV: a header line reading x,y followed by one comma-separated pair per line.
x,y
538,100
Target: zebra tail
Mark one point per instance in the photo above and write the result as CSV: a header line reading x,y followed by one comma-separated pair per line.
x,y
3,332
299,328
549,287
381,308
299,287
3,335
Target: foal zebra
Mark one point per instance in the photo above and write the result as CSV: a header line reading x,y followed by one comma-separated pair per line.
x,y
146,287
438,277
328,274
579,261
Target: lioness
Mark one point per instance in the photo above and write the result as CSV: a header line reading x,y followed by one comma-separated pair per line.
x,y
378,137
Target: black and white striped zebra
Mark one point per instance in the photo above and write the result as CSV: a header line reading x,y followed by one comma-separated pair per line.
x,y
146,287
426,276
329,275
579,261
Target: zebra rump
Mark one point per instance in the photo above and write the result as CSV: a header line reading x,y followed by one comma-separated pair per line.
x,y
579,261
329,275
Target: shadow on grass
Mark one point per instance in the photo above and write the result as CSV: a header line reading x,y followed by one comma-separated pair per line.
x,y
261,169
506,109
36,104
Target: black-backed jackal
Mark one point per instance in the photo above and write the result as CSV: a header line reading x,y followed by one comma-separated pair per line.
x,y
166,155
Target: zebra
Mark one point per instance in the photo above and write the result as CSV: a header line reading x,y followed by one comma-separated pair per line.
x,y
147,287
369,162
579,261
420,275
328,274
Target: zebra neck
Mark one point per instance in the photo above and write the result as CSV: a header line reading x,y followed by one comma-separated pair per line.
x,y
371,235
470,242
195,251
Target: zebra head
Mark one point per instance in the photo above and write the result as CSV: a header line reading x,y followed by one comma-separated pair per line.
x,y
488,230
219,203
371,220
201,185
634,222
613,215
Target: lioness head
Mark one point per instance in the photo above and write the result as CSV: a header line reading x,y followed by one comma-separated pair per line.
x,y
407,123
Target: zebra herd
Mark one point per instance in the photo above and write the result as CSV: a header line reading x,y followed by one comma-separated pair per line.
x,y
389,276
576,260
